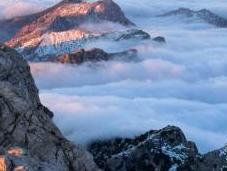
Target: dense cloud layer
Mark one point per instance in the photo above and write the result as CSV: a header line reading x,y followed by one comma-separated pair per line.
x,y
182,83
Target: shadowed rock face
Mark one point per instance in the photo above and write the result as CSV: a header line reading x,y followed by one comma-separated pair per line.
x,y
165,149
28,138
215,159
204,15
11,26
94,55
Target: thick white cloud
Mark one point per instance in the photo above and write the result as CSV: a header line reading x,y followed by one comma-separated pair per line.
x,y
182,83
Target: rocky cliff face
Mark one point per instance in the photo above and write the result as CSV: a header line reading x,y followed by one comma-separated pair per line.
x,y
28,138
165,150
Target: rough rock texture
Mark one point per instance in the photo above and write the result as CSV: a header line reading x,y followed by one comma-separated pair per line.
x,y
94,55
78,12
28,138
68,15
66,27
67,42
203,15
165,150
216,159
10,27
69,26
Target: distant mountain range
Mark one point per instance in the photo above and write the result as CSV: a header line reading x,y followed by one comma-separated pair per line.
x,y
203,15
62,29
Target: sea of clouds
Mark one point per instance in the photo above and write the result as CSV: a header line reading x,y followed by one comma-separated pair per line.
x,y
182,83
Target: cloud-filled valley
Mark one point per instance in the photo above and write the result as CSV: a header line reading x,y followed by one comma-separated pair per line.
x,y
182,82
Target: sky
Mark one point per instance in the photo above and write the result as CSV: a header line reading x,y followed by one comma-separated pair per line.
x,y
12,8
182,83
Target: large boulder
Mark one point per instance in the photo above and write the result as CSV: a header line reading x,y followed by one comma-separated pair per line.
x,y
29,140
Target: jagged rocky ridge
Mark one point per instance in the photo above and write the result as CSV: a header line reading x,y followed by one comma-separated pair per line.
x,y
51,47
62,29
64,15
94,55
29,140
165,150
203,15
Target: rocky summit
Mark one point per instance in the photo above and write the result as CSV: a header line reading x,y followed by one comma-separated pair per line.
x,y
29,140
53,46
71,13
165,150
62,23
69,26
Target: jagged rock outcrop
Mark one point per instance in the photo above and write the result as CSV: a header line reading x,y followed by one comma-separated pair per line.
x,y
71,12
28,138
203,15
67,42
94,55
165,150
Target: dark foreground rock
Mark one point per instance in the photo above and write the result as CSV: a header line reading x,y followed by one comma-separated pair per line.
x,y
28,138
203,15
94,55
163,150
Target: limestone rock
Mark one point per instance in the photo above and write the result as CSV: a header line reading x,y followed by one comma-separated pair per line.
x,y
29,139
